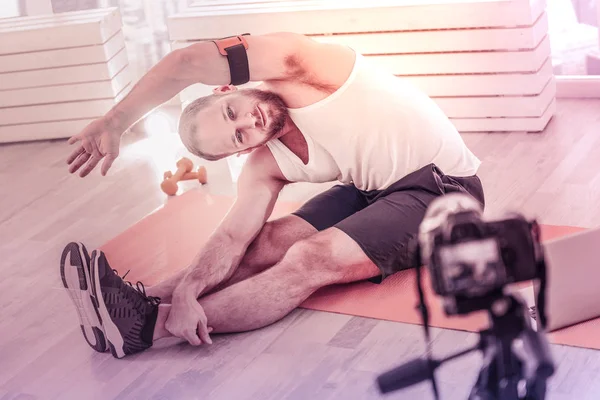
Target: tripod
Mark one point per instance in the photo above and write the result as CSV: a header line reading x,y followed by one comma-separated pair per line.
x,y
517,359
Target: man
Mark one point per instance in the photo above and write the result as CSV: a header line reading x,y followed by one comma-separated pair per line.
x,y
322,113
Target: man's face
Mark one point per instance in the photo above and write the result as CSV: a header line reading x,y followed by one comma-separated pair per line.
x,y
240,120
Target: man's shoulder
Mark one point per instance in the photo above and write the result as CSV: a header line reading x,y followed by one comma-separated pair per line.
x,y
301,61
261,164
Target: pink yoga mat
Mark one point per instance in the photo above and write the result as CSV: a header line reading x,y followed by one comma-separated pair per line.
x,y
167,240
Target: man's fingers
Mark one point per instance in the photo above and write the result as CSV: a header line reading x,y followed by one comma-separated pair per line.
x,y
107,163
74,154
188,335
73,139
79,161
192,338
90,165
203,332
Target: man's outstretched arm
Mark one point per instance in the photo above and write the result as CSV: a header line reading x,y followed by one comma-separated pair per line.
x,y
268,59
258,188
278,57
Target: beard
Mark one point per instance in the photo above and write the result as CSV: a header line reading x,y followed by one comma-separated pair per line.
x,y
276,109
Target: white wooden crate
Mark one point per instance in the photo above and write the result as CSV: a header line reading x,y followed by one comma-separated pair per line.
x,y
42,130
65,75
102,89
522,124
396,41
499,106
351,16
57,72
212,3
63,57
488,66
55,111
439,41
58,31
466,62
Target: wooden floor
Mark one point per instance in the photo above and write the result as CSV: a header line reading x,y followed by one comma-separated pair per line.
x,y
554,176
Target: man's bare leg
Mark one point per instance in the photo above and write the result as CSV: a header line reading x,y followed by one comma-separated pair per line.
x,y
326,258
267,249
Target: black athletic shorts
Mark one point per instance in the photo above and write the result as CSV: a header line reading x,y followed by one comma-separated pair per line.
x,y
383,222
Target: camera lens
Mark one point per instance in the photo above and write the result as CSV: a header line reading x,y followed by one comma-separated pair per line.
x,y
463,231
509,256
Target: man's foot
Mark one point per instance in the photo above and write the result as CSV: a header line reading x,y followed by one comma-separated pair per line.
x,y
75,273
128,314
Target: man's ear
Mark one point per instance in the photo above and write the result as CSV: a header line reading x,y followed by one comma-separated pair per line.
x,y
224,89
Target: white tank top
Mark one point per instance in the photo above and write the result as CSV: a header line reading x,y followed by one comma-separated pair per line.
x,y
374,130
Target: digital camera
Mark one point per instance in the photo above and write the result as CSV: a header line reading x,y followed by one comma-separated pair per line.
x,y
470,260
472,263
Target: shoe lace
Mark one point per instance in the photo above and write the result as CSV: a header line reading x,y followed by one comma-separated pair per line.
x,y
137,295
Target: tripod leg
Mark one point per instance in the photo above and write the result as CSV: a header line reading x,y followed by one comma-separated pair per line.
x,y
484,386
536,390
481,390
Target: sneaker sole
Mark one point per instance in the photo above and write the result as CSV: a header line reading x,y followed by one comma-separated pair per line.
x,y
113,335
74,267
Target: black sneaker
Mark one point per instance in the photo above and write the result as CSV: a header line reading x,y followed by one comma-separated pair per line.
x,y
75,273
128,314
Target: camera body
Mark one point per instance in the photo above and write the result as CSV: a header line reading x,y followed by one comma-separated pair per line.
x,y
471,260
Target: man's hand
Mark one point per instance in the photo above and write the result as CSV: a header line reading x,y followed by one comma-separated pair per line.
x,y
97,140
187,321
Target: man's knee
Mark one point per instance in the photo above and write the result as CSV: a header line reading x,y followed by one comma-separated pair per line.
x,y
313,261
313,251
264,239
274,240
262,252
329,257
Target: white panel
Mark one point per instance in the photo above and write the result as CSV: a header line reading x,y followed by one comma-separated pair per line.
x,y
43,130
237,5
536,124
443,40
268,4
60,31
62,57
466,62
484,84
55,112
434,41
353,17
498,106
73,92
71,16
64,75
212,3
